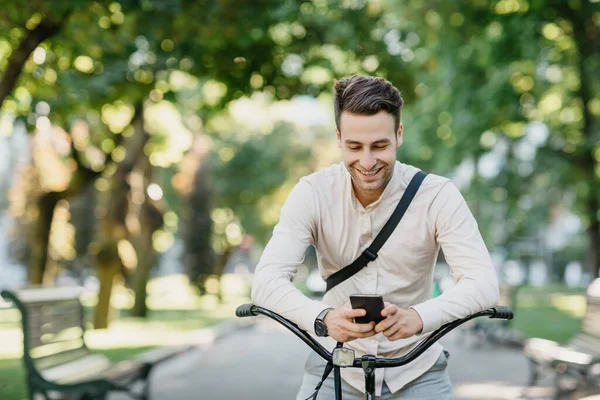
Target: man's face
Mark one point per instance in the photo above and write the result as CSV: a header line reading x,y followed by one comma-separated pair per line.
x,y
368,144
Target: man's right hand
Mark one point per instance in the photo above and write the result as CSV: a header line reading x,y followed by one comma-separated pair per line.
x,y
341,326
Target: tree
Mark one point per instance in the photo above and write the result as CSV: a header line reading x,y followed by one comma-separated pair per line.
x,y
111,56
520,76
27,26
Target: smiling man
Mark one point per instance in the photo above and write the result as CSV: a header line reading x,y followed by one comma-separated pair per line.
x,y
340,210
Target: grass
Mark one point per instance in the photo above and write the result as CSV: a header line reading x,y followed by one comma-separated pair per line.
x,y
552,312
12,379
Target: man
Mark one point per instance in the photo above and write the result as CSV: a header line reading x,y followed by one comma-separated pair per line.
x,y
340,210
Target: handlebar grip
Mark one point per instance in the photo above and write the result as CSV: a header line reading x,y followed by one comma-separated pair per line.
x,y
245,310
502,312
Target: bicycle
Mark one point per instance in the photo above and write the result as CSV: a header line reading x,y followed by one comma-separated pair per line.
x,y
342,357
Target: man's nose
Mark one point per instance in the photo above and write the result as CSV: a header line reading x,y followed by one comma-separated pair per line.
x,y
367,161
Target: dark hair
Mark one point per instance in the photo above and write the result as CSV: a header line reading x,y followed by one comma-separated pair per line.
x,y
366,95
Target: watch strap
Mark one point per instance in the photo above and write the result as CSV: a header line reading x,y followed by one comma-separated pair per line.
x,y
320,321
323,313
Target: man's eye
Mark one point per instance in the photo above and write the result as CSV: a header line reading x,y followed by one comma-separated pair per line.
x,y
354,148
379,147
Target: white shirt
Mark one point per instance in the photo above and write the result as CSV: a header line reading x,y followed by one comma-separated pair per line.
x,y
323,211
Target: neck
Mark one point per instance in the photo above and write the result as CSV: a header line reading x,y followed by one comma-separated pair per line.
x,y
366,198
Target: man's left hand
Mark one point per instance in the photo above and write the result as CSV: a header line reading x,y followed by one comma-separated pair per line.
x,y
399,323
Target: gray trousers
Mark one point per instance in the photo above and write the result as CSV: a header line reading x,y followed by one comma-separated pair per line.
x,y
433,384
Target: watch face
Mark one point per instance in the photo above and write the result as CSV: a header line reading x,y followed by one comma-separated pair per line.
x,y
320,328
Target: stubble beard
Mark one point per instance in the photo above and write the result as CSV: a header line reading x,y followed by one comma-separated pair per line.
x,y
378,185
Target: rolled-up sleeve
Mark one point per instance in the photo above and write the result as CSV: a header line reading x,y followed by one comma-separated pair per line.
x,y
272,287
476,287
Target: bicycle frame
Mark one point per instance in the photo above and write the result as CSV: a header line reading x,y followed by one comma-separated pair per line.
x,y
369,363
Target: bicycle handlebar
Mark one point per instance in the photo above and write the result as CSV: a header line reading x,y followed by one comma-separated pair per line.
x,y
498,312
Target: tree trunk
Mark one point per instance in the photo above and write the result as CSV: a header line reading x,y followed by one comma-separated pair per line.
x,y
106,276
594,237
151,219
46,205
112,228
222,260
34,38
199,256
142,274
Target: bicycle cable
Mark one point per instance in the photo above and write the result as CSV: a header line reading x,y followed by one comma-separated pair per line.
x,y
326,372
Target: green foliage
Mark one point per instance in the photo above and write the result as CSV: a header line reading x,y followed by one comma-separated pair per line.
x,y
248,174
487,72
475,76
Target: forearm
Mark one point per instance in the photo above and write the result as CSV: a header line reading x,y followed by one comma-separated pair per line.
x,y
273,289
468,296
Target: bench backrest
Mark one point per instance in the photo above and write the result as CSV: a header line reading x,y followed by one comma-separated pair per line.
x,y
590,325
53,325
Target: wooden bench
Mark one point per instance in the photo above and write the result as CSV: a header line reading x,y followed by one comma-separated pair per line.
x,y
577,363
57,361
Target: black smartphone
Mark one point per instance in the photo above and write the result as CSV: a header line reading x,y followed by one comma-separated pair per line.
x,y
372,303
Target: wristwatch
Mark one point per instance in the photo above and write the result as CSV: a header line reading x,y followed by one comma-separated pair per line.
x,y
320,327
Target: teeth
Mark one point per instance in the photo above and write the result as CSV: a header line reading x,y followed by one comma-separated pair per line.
x,y
369,173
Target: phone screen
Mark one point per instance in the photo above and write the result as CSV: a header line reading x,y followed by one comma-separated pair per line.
x,y
372,303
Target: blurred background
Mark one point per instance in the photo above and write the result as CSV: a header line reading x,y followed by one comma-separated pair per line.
x,y
146,146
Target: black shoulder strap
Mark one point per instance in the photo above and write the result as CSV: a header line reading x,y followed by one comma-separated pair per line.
x,y
370,253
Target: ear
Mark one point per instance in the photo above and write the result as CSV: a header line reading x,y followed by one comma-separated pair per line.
x,y
339,137
399,137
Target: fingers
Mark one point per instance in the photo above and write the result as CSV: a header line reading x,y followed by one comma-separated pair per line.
x,y
353,313
356,335
391,331
387,323
389,309
358,328
382,326
341,325
398,323
399,335
346,331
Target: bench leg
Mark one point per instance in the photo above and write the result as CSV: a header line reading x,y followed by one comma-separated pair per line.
x,y
146,379
146,392
566,382
32,390
534,373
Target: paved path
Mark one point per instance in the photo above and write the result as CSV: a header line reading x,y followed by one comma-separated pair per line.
x,y
265,362
262,362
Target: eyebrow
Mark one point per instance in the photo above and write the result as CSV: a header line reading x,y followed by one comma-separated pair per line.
x,y
380,141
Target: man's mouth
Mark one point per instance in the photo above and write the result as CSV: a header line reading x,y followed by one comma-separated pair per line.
x,y
369,174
